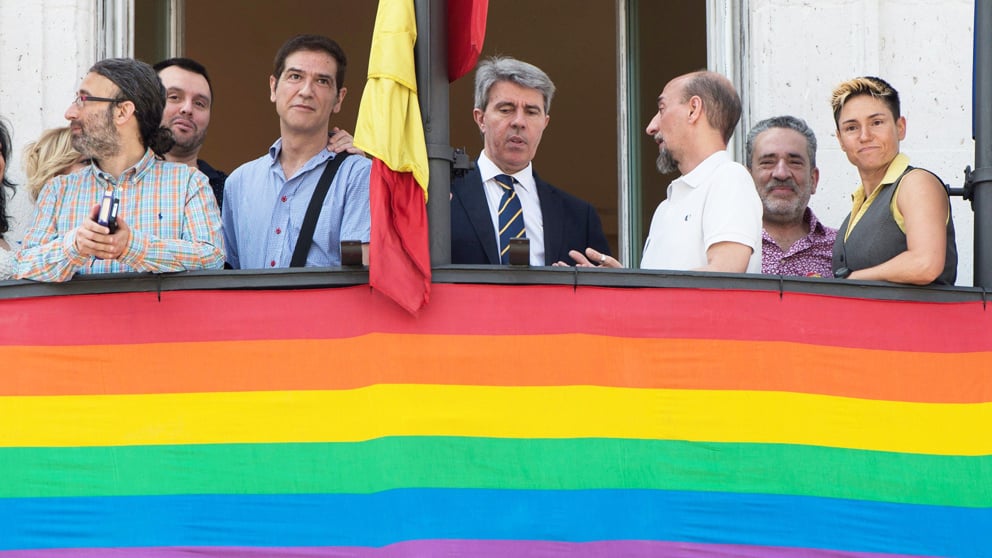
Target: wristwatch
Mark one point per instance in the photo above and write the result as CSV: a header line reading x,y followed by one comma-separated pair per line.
x,y
842,273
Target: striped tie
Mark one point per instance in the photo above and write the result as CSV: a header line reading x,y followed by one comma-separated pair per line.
x,y
511,217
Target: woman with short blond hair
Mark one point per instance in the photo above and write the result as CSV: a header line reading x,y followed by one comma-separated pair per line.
x,y
50,156
900,226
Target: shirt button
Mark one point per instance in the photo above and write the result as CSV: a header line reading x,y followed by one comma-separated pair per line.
x,y
272,263
284,199
278,230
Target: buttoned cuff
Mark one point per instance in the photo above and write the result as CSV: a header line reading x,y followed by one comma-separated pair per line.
x,y
134,252
72,254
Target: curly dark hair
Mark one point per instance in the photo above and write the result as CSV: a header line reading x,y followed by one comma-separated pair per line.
x,y
140,84
6,183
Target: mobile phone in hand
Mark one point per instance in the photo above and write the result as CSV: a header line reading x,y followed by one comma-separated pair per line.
x,y
107,216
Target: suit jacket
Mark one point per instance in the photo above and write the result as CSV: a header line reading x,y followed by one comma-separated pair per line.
x,y
569,223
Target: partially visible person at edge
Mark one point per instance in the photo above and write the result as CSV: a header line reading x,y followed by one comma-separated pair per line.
x,y
189,100
167,221
711,217
49,156
503,197
900,227
7,260
780,152
266,200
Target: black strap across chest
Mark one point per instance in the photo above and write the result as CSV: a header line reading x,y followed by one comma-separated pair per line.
x,y
305,239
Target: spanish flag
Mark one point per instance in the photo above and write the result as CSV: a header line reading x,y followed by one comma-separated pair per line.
x,y
390,129
466,35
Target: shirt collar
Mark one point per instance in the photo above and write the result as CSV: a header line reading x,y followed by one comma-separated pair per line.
x,y
814,224
895,170
703,170
489,170
816,228
317,159
136,172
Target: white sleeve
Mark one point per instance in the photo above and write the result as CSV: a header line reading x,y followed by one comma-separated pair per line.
x,y
733,209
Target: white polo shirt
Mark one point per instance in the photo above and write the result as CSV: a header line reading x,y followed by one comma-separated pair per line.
x,y
715,202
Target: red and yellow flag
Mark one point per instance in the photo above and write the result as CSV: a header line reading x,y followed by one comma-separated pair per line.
x,y
390,129
466,34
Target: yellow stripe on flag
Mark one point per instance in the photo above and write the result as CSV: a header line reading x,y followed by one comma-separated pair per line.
x,y
502,412
389,125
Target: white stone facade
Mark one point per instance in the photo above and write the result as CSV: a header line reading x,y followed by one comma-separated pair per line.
x,y
44,49
798,51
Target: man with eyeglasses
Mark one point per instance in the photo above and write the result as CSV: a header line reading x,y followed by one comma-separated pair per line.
x,y
167,218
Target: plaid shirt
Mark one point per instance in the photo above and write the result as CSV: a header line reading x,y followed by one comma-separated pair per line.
x,y
170,208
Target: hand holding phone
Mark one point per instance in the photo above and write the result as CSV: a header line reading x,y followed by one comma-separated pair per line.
x,y
107,215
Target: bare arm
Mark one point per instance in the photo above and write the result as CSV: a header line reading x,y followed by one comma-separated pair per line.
x,y
730,257
925,210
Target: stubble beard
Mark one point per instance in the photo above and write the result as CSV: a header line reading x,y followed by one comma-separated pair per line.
x,y
785,212
99,139
190,145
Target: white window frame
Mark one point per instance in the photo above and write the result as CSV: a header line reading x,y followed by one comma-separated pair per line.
x,y
726,51
115,28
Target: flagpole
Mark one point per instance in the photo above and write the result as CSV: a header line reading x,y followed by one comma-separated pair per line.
x,y
431,55
981,177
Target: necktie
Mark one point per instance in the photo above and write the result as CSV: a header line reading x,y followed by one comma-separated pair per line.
x,y
511,217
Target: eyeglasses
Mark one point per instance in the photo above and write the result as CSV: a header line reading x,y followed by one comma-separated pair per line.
x,y
81,99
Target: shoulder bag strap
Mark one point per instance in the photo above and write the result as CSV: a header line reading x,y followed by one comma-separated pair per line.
x,y
305,240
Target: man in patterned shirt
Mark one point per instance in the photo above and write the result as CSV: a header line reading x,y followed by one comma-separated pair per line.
x,y
168,219
781,154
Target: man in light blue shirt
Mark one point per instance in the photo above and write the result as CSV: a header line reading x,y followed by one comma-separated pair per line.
x,y
265,200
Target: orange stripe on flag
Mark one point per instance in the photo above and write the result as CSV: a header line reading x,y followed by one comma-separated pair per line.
x,y
542,360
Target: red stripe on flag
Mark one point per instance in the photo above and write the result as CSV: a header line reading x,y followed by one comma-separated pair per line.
x,y
466,34
399,254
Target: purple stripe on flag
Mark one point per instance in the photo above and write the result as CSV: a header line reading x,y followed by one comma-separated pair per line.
x,y
458,548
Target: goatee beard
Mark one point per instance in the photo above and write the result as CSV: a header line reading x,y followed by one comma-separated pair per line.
x,y
666,163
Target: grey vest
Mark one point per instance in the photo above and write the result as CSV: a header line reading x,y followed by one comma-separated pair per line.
x,y
877,238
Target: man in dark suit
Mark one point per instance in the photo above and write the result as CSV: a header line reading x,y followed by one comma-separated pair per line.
x,y
502,197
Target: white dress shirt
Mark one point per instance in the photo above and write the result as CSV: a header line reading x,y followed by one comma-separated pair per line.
x,y
529,201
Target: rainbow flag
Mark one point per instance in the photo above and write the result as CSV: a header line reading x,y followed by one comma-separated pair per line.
x,y
533,421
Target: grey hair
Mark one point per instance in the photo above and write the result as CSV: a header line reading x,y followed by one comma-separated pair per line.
x,y
504,68
787,122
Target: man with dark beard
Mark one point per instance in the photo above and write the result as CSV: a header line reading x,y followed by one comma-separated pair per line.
x,y
711,218
189,96
781,154
167,219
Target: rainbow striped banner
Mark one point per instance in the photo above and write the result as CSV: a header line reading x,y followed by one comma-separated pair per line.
x,y
533,421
